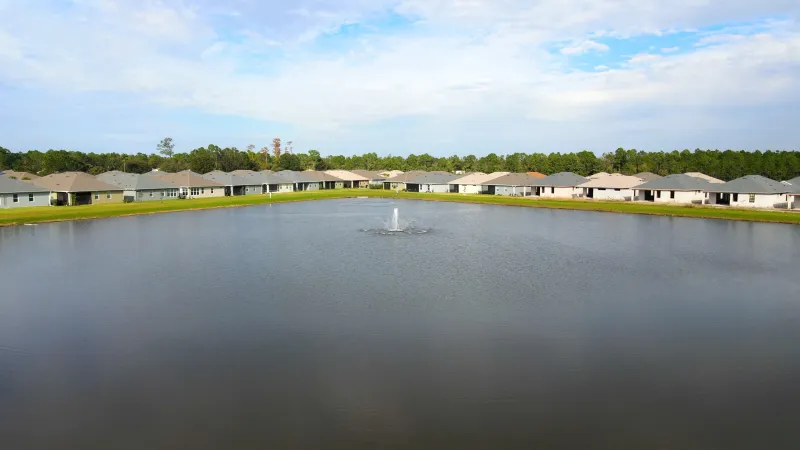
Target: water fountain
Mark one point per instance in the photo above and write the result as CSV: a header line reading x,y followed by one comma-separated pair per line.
x,y
394,223
395,227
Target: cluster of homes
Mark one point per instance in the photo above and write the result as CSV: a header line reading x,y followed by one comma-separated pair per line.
x,y
20,189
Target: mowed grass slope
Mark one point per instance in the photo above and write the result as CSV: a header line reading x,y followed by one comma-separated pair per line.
x,y
45,214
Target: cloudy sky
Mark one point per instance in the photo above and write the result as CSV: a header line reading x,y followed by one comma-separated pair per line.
x,y
400,76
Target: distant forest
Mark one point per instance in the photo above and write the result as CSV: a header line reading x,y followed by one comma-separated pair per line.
x,y
726,165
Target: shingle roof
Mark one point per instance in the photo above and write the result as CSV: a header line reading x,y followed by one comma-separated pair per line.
x,y
19,175
403,177
561,179
432,178
647,176
598,175
228,179
478,177
187,178
346,175
134,181
513,179
678,182
751,184
708,178
794,181
614,181
537,174
264,177
73,182
371,174
12,186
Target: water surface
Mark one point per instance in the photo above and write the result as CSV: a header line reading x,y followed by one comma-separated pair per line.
x,y
290,327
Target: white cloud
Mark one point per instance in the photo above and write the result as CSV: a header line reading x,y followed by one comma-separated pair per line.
x,y
584,47
600,68
670,49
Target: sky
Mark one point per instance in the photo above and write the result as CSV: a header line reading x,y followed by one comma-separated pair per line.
x,y
400,76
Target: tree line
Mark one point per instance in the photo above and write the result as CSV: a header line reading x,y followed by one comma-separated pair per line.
x,y
726,165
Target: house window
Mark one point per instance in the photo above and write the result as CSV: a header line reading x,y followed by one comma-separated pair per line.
x,y
671,194
30,197
108,195
552,190
212,190
617,189
96,196
202,190
735,197
195,191
752,198
658,194
16,198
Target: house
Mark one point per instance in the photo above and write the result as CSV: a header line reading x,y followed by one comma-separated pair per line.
x,y
326,181
708,178
430,182
680,188
19,194
473,183
647,176
375,177
351,179
22,176
269,182
78,188
140,188
751,191
614,186
559,185
398,182
391,173
512,184
301,181
192,185
234,184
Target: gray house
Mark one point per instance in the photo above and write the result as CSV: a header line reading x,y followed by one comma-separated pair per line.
x,y
20,194
269,182
301,181
513,184
680,188
431,182
751,191
647,176
140,188
234,184
559,185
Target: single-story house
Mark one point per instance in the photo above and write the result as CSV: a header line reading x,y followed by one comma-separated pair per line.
x,y
647,176
473,183
301,181
680,188
512,184
751,191
140,188
234,184
614,186
19,194
22,176
375,177
79,188
192,185
430,182
269,182
325,180
351,179
708,178
559,185
398,182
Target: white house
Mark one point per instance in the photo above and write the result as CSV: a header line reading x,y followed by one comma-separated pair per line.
x,y
474,182
613,186
559,185
430,182
19,194
680,188
751,191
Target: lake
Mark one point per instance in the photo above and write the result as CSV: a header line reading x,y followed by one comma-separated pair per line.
x,y
298,326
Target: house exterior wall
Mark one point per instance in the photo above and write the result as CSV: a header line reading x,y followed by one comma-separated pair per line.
x,y
609,193
472,188
397,186
559,192
681,197
254,189
512,190
438,188
23,200
102,197
760,200
204,192
285,187
338,185
150,195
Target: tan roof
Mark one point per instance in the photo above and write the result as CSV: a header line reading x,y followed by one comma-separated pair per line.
x,y
346,175
598,175
187,178
19,175
613,181
537,174
392,173
710,179
73,182
478,177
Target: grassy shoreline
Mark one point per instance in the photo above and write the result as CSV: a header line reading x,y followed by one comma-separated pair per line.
x,y
19,216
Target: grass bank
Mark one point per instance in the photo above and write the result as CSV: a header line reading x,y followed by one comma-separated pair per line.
x,y
38,215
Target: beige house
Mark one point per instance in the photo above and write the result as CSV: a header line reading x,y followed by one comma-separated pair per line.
x,y
703,176
79,188
192,185
613,186
473,183
351,179
559,185
22,176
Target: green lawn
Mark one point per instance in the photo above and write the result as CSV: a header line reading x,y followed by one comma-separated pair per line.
x,y
40,214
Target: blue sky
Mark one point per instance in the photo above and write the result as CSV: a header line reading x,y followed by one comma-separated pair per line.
x,y
400,76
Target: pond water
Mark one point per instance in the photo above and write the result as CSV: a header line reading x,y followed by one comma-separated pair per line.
x,y
298,326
